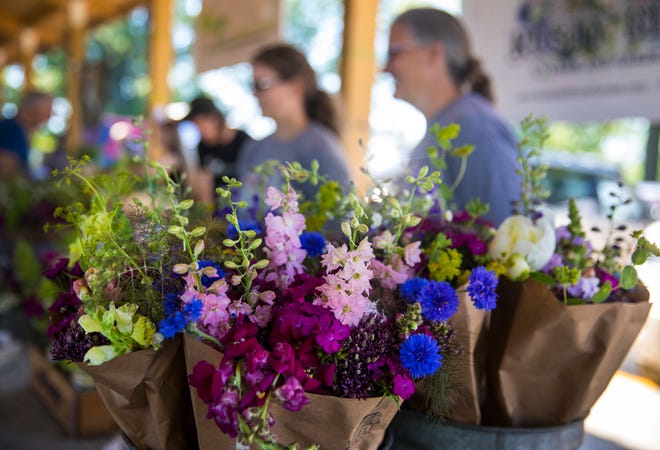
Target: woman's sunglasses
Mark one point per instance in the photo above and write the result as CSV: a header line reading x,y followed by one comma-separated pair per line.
x,y
263,84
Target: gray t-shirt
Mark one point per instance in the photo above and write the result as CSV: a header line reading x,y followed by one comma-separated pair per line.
x,y
315,142
491,168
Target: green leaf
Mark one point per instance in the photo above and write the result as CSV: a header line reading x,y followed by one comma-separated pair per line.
x,y
543,278
186,204
603,293
639,256
574,301
628,277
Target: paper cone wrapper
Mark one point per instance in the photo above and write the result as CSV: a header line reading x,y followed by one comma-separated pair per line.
x,y
547,362
466,370
331,422
146,392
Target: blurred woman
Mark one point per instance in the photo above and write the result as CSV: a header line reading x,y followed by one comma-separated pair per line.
x,y
307,126
435,70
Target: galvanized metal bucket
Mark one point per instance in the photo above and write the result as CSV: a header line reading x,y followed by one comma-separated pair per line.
x,y
413,431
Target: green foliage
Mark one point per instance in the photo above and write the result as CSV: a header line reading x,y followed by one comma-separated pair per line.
x,y
26,267
124,328
328,200
534,133
575,220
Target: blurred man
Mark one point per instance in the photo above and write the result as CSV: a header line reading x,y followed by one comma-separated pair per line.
x,y
218,148
34,109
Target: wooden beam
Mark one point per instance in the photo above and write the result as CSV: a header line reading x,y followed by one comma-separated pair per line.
x,y
358,66
77,21
10,24
160,59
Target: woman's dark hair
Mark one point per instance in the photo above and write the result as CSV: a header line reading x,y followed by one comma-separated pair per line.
x,y
429,25
290,63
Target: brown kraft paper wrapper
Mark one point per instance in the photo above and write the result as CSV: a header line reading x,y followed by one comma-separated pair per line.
x,y
146,393
331,422
467,370
547,362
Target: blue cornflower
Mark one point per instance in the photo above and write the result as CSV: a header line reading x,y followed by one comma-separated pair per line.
x,y
206,280
171,303
439,301
481,287
420,354
411,288
245,226
172,325
313,243
193,310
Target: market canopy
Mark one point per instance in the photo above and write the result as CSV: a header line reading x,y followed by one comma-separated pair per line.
x,y
32,26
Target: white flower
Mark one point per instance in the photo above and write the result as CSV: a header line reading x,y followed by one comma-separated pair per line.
x,y
517,268
518,234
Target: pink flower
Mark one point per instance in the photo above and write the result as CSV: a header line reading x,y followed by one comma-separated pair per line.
x,y
262,315
412,253
335,257
274,198
387,276
384,240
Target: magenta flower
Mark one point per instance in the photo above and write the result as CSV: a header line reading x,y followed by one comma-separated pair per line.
x,y
282,359
404,386
292,395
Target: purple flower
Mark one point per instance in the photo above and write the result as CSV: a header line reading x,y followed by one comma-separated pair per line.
x,y
586,287
562,233
420,354
439,301
225,412
411,288
292,395
555,261
481,287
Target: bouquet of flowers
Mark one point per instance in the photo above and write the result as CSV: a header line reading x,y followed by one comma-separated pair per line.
x,y
566,321
327,323
119,269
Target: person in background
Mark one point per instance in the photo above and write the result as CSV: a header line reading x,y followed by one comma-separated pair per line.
x,y
172,157
432,63
307,125
218,149
34,109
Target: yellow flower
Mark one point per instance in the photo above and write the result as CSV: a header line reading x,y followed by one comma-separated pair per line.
x,y
446,265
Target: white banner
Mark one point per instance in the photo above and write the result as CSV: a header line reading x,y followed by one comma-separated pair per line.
x,y
229,32
570,59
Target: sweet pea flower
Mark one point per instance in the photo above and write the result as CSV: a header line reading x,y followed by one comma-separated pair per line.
x,y
519,235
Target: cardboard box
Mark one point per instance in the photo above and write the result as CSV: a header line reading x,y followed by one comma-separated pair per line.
x,y
79,410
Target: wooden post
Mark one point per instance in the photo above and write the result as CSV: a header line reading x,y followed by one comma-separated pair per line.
x,y
28,41
160,61
357,72
77,16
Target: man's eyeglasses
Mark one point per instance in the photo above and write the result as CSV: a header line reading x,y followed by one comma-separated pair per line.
x,y
263,84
